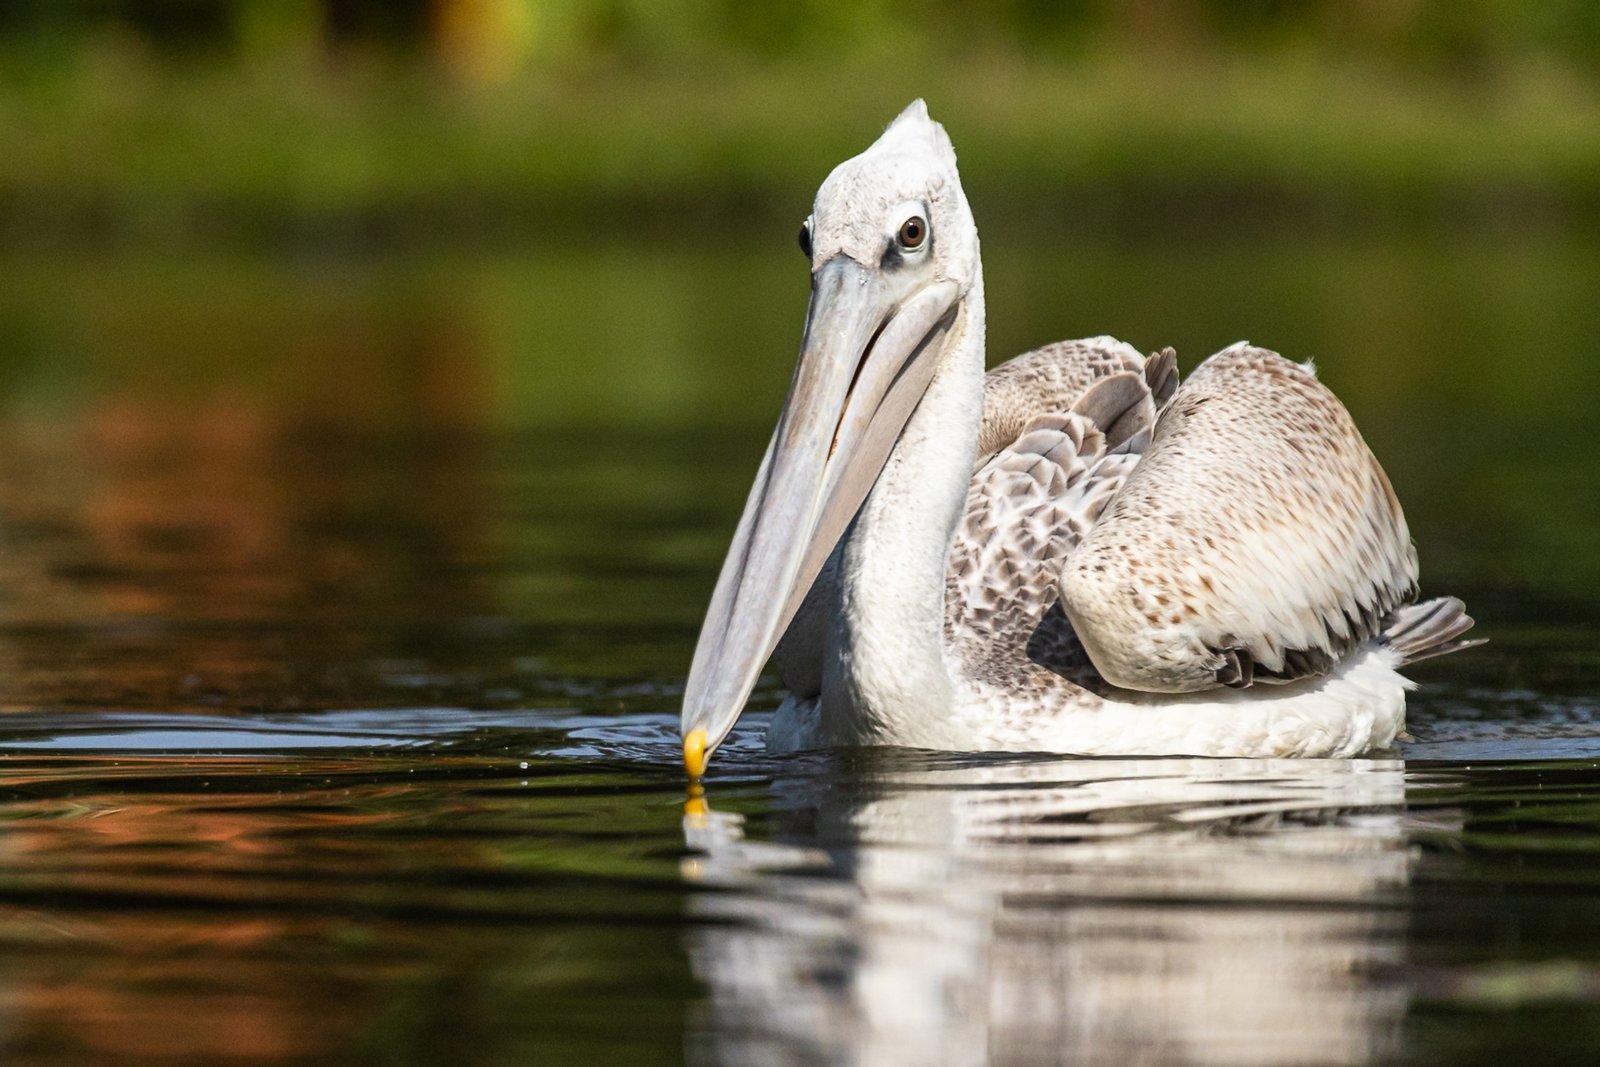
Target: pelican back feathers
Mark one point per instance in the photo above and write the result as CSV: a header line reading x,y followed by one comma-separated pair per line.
x,y
1258,540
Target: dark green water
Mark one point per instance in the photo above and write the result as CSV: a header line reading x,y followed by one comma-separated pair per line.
x,y
344,607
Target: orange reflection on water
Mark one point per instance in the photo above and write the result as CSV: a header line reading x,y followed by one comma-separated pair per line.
x,y
187,928
270,524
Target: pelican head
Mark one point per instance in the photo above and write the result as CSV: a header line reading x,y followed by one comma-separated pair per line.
x,y
894,252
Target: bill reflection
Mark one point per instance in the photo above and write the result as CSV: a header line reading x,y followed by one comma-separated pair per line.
x,y
1105,911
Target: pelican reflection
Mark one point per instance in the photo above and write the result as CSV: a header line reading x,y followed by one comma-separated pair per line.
x,y
932,910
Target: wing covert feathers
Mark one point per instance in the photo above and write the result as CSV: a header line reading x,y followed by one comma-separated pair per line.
x,y
1121,408
1062,427
1046,381
1161,372
1257,540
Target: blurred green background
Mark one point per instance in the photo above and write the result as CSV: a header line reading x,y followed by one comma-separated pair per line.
x,y
358,123
564,231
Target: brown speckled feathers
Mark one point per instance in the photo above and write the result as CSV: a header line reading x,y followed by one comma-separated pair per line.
x,y
1257,540
1234,532
1062,429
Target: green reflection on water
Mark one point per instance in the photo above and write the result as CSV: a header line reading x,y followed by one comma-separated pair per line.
x,y
1468,363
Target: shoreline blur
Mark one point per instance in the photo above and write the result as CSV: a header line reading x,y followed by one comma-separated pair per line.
x,y
497,122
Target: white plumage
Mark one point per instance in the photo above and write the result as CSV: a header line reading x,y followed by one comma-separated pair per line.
x,y
1071,553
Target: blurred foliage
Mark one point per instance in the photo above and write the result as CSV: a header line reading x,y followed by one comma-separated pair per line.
x,y
1468,37
360,121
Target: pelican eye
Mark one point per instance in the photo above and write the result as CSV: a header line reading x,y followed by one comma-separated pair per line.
x,y
913,232
805,238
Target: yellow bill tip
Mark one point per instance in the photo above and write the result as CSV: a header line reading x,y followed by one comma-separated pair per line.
x,y
694,753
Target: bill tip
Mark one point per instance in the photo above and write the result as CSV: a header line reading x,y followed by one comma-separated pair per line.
x,y
694,753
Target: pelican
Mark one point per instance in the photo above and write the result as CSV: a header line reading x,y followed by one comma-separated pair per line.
x,y
1069,554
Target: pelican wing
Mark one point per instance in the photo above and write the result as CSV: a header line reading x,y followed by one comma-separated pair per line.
x,y
1062,429
1048,381
1045,471
1257,539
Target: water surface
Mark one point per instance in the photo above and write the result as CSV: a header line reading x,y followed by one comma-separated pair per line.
x,y
344,608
